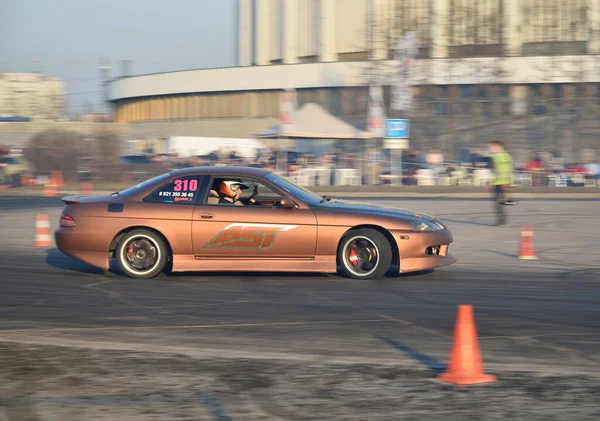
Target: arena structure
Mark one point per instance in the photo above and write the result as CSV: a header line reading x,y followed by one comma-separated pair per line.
x,y
526,71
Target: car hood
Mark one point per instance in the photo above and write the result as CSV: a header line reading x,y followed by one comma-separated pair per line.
x,y
337,205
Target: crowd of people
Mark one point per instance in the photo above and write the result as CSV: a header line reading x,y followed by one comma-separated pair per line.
x,y
373,165
379,166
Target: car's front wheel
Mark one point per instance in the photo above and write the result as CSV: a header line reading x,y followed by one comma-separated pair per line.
x,y
365,254
141,254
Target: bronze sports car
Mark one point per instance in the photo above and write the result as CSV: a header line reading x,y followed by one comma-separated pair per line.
x,y
245,219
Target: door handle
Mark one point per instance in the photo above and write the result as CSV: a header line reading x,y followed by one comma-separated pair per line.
x,y
206,215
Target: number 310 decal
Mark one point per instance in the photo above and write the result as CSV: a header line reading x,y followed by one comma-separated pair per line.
x,y
185,185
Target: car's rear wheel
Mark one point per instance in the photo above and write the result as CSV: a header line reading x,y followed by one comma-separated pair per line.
x,y
141,254
365,254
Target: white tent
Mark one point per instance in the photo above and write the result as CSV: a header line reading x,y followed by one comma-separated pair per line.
x,y
186,146
312,121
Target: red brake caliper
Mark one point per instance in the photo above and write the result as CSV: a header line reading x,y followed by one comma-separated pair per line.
x,y
353,257
130,250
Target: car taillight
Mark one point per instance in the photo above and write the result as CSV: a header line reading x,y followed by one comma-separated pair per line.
x,y
67,221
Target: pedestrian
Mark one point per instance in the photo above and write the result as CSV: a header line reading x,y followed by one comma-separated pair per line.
x,y
502,165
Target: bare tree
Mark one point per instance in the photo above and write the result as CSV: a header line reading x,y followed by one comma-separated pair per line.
x,y
106,152
66,151
55,150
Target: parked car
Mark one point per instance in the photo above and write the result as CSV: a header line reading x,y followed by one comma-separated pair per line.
x,y
13,170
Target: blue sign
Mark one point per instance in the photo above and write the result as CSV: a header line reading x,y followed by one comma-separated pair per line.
x,y
14,119
396,129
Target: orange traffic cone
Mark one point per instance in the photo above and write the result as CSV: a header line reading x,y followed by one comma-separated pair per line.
x,y
50,188
42,232
87,188
527,248
26,180
58,179
465,365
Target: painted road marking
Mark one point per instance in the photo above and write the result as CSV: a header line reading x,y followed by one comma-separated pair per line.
x,y
174,327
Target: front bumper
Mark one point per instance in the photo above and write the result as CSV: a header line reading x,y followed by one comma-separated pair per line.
x,y
423,250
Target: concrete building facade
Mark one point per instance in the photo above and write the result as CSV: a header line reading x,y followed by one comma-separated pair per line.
x,y
527,70
31,95
300,31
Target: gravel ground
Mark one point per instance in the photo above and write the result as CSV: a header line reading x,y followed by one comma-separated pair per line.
x,y
56,383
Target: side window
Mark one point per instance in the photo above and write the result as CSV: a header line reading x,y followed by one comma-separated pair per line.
x,y
252,189
261,192
183,190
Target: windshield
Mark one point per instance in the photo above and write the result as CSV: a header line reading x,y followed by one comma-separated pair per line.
x,y
301,193
143,185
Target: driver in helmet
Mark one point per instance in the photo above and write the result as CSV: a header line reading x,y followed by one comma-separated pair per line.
x,y
230,192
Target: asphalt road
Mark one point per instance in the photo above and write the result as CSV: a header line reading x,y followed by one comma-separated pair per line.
x,y
293,346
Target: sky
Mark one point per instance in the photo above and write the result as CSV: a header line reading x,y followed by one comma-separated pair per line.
x,y
67,39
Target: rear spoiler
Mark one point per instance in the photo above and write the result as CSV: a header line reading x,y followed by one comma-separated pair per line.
x,y
71,199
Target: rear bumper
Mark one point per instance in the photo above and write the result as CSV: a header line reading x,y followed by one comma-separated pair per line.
x,y
72,244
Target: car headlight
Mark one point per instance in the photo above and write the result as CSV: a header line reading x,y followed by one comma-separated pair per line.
x,y
426,226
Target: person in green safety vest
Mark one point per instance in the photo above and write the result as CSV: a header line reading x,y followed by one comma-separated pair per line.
x,y
502,165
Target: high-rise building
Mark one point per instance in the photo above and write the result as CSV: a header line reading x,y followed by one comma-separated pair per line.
x,y
31,95
303,31
523,70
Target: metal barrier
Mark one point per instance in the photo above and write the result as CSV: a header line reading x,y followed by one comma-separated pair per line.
x,y
481,177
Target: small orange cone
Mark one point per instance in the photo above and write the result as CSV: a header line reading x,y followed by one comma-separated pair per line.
x,y
27,180
87,188
42,232
527,248
50,188
465,365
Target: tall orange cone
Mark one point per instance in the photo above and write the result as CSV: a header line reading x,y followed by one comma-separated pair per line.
x,y
465,365
50,188
42,232
527,248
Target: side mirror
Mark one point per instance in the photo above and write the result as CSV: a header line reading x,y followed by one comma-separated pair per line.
x,y
286,202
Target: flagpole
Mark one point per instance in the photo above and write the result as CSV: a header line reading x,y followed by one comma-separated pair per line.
x,y
401,99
